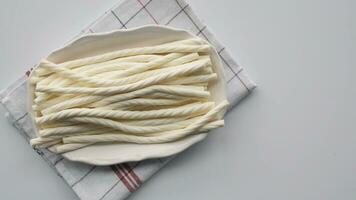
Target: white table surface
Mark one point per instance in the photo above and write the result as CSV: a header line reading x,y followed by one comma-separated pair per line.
x,y
293,138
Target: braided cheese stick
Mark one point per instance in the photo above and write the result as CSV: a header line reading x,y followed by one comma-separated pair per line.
x,y
182,60
38,106
125,88
179,61
95,130
106,100
116,125
50,141
60,149
144,102
119,63
52,79
75,76
121,81
188,80
40,141
111,75
121,104
57,124
185,110
131,52
66,130
43,73
114,137
121,57
55,79
189,68
75,128
139,76
201,125
44,140
49,144
139,59
137,51
159,121
62,71
192,127
162,95
82,140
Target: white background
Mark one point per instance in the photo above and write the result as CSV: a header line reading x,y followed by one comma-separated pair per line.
x,y
293,138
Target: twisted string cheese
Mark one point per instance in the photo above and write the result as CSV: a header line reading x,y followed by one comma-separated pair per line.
x,y
106,100
121,53
144,95
96,72
119,114
125,88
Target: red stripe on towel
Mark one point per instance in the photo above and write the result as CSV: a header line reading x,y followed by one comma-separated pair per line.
x,y
122,178
132,173
127,175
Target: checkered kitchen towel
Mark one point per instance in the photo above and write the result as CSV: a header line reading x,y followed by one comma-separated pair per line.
x,y
118,181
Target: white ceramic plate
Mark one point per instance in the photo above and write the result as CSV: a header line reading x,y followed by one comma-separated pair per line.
x,y
98,43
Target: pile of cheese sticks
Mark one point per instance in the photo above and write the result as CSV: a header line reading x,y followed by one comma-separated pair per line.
x,y
151,94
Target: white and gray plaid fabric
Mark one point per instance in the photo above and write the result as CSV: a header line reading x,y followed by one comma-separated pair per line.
x,y
118,181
